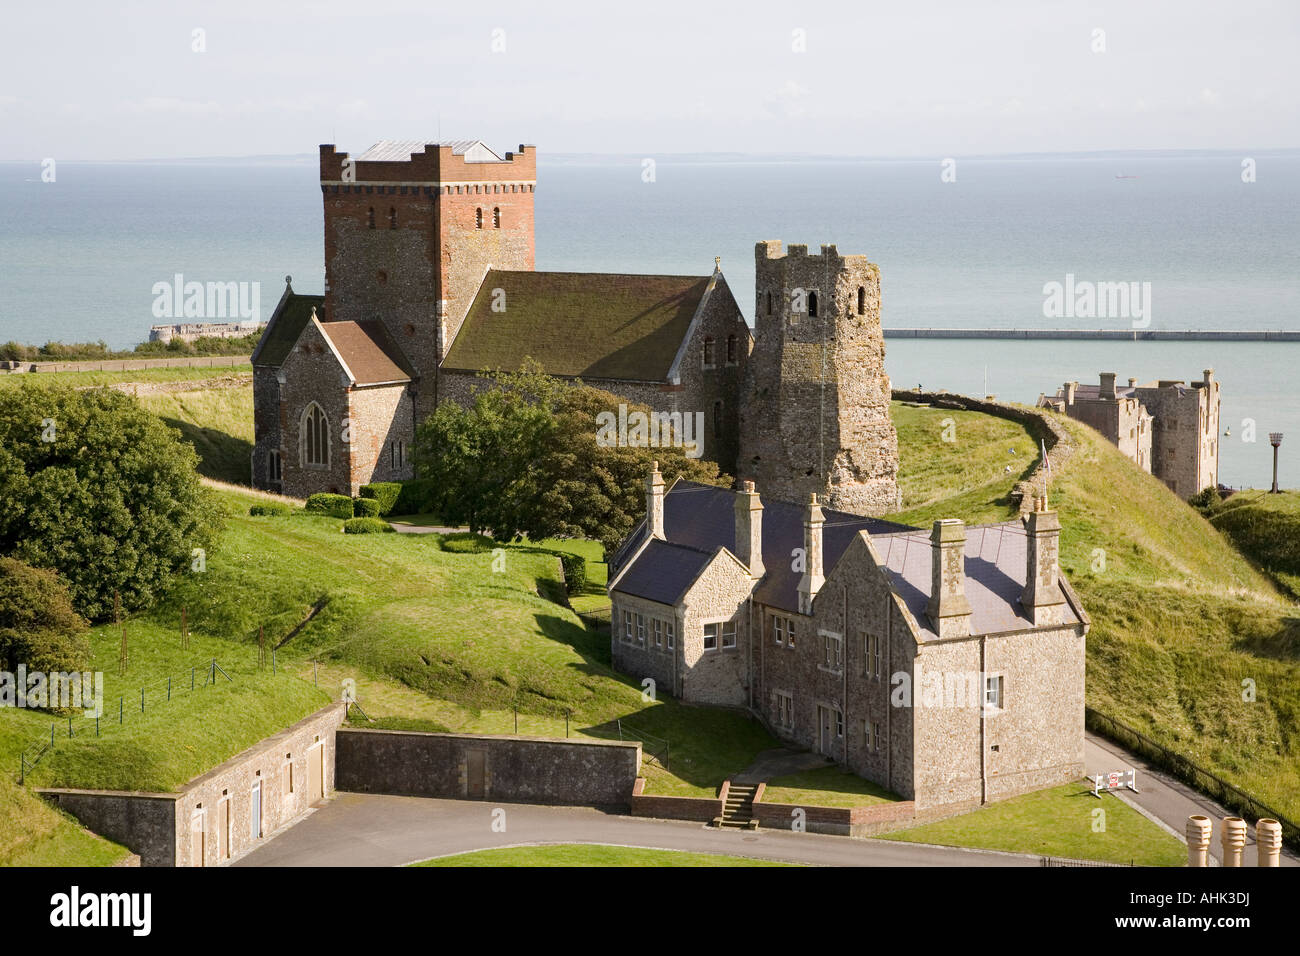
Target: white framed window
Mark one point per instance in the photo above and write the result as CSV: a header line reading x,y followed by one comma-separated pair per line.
x,y
832,651
778,630
993,692
640,630
871,655
729,634
839,723
397,453
671,628
789,632
627,627
871,732
784,709
711,637
659,633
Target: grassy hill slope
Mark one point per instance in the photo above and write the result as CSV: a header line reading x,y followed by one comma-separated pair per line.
x,y
1180,617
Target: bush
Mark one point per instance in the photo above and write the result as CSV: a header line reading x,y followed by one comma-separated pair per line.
x,y
416,497
365,507
1206,499
575,571
103,492
336,506
386,493
276,508
38,626
366,526
1269,537
463,542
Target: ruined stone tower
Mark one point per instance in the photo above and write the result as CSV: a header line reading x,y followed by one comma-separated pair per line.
x,y
815,411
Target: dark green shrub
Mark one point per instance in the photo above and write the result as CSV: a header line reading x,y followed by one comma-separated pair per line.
x,y
575,571
337,506
366,526
386,493
462,542
1205,499
275,508
365,507
416,497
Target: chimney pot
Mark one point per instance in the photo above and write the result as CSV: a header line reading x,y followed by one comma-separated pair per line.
x,y
654,497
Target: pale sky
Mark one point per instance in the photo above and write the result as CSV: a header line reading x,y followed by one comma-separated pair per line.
x,y
121,80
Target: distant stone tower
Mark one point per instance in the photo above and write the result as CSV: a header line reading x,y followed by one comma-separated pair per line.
x,y
814,416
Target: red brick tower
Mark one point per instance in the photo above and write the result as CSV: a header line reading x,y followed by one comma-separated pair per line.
x,y
410,230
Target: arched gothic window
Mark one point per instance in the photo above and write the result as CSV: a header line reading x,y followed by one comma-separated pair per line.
x,y
862,301
315,438
496,217
478,218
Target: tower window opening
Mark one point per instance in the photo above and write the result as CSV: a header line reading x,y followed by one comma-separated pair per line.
x,y
392,217
862,301
769,303
370,217
731,349
496,217
478,218
812,305
708,351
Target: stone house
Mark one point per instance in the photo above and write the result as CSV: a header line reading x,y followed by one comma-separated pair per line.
x,y
948,667
1167,428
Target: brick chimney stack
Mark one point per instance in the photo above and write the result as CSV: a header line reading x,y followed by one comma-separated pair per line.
x,y
654,503
949,609
749,529
813,578
1070,388
1042,597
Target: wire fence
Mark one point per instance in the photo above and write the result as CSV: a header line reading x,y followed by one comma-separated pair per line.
x,y
1059,861
655,748
156,693
1191,773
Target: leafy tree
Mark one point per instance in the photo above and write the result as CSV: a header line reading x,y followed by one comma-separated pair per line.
x,y
525,459
98,489
38,626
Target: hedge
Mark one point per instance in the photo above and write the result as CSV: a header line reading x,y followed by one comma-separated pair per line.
x,y
338,506
366,526
274,508
386,493
575,571
365,507
463,542
416,497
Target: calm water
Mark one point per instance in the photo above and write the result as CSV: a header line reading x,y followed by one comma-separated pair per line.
x,y
79,257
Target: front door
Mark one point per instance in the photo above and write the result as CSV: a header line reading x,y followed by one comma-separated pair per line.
x,y
475,772
825,731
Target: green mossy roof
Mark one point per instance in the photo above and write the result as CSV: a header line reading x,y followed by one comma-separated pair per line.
x,y
287,322
592,325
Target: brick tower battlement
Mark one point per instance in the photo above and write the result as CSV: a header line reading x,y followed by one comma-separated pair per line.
x,y
410,230
815,415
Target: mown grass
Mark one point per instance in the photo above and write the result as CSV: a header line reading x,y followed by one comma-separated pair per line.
x,y
826,787
1058,822
591,854
152,375
1180,619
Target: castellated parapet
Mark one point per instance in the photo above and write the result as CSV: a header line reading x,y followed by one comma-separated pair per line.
x,y
815,415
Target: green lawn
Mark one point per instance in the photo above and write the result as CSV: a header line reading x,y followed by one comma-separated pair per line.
x,y
1057,822
217,422
826,787
591,854
152,375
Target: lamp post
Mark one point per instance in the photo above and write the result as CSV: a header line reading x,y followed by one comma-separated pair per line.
x,y
1275,439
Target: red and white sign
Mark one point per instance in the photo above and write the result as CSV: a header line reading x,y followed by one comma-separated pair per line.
x,y
1115,780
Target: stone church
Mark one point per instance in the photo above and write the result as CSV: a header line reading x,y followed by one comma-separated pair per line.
x,y
430,280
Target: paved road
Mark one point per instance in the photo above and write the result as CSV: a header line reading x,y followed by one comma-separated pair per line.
x,y
352,829
1168,800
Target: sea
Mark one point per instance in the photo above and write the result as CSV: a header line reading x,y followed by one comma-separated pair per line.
x,y
1212,238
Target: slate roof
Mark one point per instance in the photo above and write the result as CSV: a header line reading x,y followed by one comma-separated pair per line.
x,y
290,317
995,576
368,352
701,518
579,324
